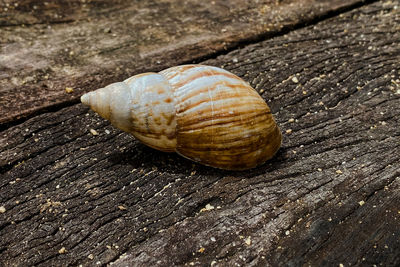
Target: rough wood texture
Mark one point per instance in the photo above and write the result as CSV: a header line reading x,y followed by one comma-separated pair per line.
x,y
84,45
330,197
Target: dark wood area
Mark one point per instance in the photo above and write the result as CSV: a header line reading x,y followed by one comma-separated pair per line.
x,y
330,197
84,45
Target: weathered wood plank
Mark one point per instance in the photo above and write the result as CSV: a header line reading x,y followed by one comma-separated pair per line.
x,y
330,196
48,46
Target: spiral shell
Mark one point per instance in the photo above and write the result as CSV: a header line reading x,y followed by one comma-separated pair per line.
x,y
203,113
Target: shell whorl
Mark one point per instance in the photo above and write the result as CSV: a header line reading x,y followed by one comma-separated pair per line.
x,y
221,120
142,105
110,103
204,113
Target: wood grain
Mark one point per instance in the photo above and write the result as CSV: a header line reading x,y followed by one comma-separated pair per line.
x,y
331,196
48,46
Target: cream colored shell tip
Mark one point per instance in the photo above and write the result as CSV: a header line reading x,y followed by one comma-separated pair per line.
x,y
203,113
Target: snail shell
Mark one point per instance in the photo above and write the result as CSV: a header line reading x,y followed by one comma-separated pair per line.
x,y
204,113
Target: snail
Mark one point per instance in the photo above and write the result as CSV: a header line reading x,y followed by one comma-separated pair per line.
x,y
203,113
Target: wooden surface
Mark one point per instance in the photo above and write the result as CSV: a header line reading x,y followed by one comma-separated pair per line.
x,y
84,45
331,196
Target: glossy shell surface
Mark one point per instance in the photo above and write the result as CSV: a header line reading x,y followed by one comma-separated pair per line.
x,y
204,113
